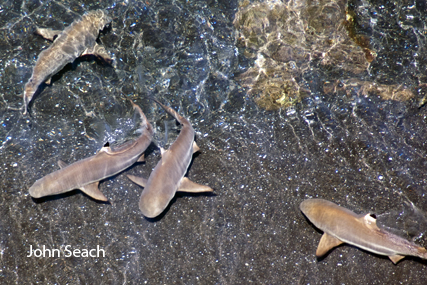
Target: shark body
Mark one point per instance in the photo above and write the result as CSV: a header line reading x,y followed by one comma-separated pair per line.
x,y
74,41
341,225
168,176
85,174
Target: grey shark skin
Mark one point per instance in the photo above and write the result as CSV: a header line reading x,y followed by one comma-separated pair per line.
x,y
85,174
168,176
341,225
76,40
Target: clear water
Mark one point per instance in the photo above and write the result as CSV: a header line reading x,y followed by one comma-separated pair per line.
x,y
343,138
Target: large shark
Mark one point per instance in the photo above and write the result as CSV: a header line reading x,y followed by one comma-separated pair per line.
x,y
76,40
168,175
341,225
85,174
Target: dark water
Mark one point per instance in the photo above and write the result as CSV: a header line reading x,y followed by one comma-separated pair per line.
x,y
346,140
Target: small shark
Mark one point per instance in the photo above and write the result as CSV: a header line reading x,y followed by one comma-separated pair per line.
x,y
85,174
341,225
168,176
74,41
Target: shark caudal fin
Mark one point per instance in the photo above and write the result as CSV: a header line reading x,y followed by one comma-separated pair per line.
x,y
171,112
144,122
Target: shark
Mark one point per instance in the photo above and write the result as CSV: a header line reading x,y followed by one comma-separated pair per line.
x,y
85,174
168,176
341,225
76,40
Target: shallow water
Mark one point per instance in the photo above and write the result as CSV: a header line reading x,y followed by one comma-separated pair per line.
x,y
344,140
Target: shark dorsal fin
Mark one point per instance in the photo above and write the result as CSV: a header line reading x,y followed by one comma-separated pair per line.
x,y
327,242
370,222
396,258
162,151
62,164
118,149
106,148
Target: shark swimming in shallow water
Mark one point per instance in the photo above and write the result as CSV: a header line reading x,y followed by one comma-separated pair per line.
x,y
341,225
168,176
85,174
74,41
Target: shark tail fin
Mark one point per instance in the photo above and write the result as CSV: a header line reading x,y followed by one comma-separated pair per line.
x,y
171,111
144,122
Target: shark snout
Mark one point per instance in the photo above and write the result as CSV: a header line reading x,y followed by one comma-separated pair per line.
x,y
151,208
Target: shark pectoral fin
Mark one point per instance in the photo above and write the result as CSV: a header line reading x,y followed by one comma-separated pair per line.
x,y
62,164
327,242
189,186
93,191
195,147
141,158
396,258
138,180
